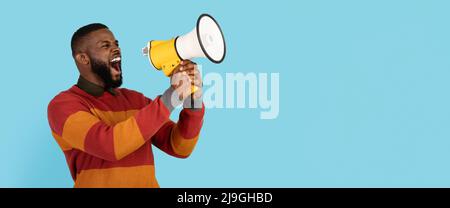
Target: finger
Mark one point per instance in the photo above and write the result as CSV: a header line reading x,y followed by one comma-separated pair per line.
x,y
178,77
198,94
193,76
186,93
197,82
185,62
178,83
192,66
183,91
197,85
186,87
182,66
185,68
187,77
177,69
189,67
193,72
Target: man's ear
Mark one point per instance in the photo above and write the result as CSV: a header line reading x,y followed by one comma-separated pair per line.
x,y
82,58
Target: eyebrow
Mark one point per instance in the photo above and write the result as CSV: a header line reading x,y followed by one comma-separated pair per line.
x,y
106,41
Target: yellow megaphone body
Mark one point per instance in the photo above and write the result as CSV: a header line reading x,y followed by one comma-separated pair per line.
x,y
205,40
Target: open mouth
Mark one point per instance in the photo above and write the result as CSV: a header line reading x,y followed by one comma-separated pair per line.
x,y
116,64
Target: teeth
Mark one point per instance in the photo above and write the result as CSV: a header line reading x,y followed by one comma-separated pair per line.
x,y
116,59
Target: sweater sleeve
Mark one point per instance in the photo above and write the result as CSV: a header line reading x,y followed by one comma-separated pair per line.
x,y
75,127
179,139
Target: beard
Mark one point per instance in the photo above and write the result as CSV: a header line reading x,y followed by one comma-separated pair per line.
x,y
102,69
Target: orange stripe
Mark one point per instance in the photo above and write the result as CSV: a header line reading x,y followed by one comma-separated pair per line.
x,y
180,145
62,144
76,127
124,141
113,117
127,138
121,177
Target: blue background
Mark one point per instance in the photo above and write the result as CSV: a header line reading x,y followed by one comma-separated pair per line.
x,y
363,90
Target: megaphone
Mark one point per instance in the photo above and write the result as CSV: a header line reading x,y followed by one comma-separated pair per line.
x,y
205,40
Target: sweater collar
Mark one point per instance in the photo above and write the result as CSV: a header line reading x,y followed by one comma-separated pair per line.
x,y
91,88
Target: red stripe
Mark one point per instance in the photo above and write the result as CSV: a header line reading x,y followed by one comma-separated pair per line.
x,y
190,122
70,158
151,118
100,142
162,138
61,107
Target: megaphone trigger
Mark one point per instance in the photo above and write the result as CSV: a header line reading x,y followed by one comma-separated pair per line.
x,y
194,88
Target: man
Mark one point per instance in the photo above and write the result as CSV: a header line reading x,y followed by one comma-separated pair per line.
x,y
107,132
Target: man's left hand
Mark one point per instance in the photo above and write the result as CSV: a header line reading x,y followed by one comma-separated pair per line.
x,y
187,70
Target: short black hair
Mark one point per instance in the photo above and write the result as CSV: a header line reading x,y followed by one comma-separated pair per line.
x,y
82,32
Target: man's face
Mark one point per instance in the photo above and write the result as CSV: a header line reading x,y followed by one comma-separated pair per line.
x,y
105,58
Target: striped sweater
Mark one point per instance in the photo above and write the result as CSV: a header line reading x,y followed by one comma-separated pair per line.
x,y
107,140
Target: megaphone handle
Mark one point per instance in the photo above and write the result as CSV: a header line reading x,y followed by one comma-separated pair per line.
x,y
193,90
192,100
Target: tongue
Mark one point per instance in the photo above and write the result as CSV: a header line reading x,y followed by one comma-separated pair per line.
x,y
117,66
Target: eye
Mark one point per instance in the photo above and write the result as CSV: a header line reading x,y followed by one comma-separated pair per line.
x,y
105,46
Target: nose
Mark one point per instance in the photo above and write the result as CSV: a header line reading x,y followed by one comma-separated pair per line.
x,y
115,50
